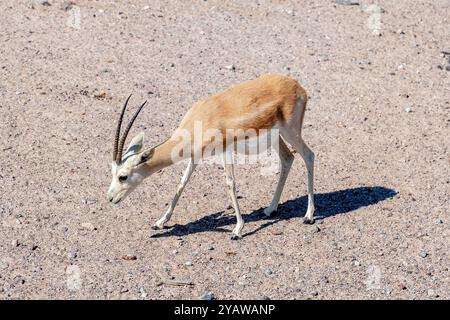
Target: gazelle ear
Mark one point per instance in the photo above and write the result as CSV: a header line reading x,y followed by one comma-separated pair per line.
x,y
135,145
146,155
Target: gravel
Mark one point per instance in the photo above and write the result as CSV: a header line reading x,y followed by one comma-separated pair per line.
x,y
381,173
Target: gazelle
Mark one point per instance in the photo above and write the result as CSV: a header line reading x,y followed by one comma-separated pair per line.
x,y
268,102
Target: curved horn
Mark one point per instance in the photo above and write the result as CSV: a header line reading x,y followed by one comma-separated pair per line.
x,y
119,124
122,141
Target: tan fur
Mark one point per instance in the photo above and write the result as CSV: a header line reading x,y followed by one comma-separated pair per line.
x,y
255,104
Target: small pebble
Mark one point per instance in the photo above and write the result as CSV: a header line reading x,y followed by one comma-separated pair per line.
x,y
377,32
72,255
100,94
89,201
3,265
432,294
188,263
143,293
129,257
207,296
230,67
315,229
402,286
88,226
324,280
423,254
268,272
347,2
408,109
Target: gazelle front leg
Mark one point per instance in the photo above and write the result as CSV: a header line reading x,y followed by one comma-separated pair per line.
x,y
187,174
286,159
231,184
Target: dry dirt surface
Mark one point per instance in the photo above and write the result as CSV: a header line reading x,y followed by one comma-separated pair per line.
x,y
377,120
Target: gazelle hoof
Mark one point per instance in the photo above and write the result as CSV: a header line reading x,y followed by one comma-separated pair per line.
x,y
268,211
308,220
158,226
235,237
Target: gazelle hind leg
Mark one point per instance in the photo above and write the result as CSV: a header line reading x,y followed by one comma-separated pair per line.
x,y
184,180
286,159
308,156
231,185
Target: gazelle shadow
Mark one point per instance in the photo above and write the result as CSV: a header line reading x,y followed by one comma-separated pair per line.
x,y
327,204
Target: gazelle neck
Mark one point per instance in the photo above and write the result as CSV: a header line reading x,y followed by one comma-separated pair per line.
x,y
161,158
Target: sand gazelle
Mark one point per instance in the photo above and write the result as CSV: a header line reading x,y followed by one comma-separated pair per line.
x,y
270,101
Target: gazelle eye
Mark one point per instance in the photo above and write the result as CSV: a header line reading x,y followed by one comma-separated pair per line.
x,y
123,178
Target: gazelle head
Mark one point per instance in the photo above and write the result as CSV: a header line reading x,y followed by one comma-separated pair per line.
x,y
127,170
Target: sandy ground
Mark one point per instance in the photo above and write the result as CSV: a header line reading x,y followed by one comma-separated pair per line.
x,y
377,119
